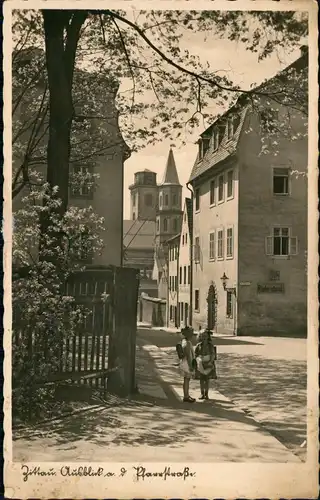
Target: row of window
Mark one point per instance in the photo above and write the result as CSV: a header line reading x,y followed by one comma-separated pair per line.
x,y
229,303
184,278
164,200
280,243
183,310
148,199
229,127
221,188
218,241
166,225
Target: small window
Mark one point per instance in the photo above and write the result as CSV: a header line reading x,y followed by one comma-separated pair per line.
x,y
230,242
220,244
212,250
171,313
158,225
213,192
197,199
82,185
166,200
133,216
174,199
281,181
196,300
183,239
221,187
180,275
230,184
165,225
185,217
148,200
160,200
229,311
186,238
185,275
197,249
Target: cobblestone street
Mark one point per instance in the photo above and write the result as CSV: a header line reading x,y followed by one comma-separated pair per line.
x,y
156,425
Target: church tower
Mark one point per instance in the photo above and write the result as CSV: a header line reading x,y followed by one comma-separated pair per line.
x,y
144,196
169,213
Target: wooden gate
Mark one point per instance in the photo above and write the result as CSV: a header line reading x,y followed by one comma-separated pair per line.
x,y
104,347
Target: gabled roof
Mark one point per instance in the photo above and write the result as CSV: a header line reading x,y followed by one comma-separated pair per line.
x,y
226,149
170,173
138,234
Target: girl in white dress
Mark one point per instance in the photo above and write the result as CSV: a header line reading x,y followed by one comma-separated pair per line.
x,y
187,364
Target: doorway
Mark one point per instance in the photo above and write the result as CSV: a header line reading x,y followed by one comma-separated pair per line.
x,y
186,314
212,308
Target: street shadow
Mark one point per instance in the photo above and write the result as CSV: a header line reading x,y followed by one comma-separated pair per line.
x,y
161,338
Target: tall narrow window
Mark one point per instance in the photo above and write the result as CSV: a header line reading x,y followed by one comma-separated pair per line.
x,y
165,225
230,242
220,244
212,192
230,184
221,187
175,225
230,125
180,275
280,241
158,225
212,253
185,275
160,200
281,181
174,199
197,199
197,249
229,311
134,199
196,300
189,275
166,200
186,238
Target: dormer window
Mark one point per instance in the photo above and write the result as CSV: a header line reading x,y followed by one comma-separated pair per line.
x,y
215,139
230,128
204,144
232,125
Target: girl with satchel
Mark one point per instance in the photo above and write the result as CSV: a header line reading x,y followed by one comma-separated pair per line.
x,y
206,355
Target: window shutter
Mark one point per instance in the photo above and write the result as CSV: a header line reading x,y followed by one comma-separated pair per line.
x,y
293,246
269,245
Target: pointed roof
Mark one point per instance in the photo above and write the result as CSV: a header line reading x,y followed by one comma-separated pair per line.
x,y
170,173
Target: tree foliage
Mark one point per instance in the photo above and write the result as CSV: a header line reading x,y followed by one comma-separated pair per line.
x,y
168,89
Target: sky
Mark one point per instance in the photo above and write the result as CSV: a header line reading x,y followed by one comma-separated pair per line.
x,y
243,68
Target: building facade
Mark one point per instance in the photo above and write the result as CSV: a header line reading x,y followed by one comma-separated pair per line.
x,y
99,174
250,225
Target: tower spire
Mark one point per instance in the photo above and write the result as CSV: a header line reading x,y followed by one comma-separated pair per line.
x,y
170,173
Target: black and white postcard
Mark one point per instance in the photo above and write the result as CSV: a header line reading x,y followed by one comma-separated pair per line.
x,y
160,249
